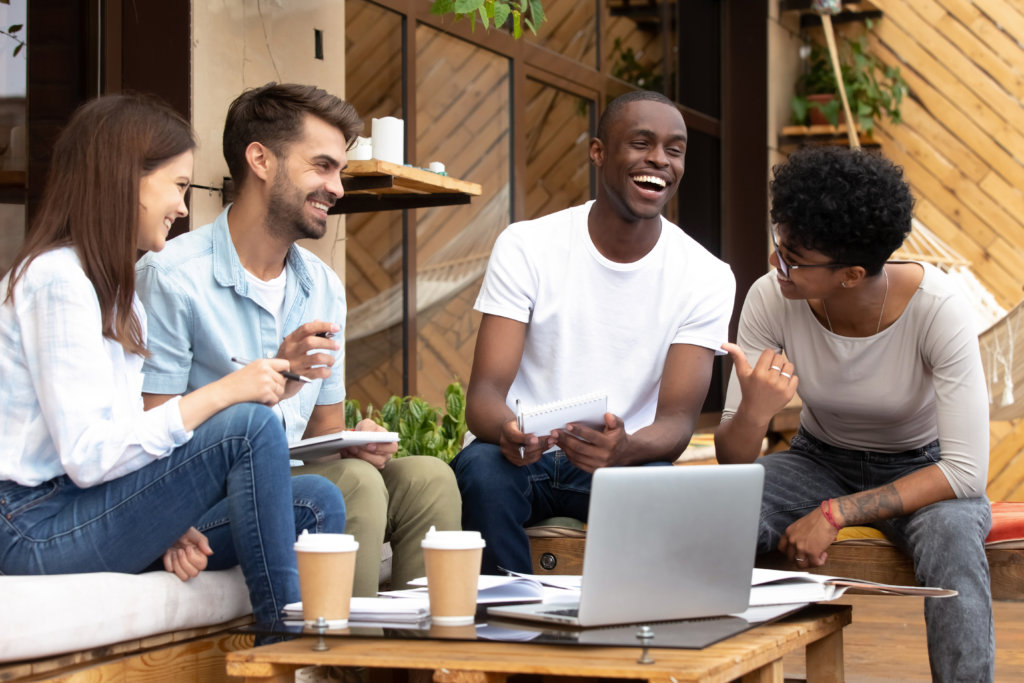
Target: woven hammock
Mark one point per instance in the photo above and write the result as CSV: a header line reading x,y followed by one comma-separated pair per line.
x,y
455,266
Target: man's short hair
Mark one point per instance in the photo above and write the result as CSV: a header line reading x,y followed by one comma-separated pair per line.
x,y
272,115
615,107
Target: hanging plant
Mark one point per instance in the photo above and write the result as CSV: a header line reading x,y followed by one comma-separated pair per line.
x,y
508,14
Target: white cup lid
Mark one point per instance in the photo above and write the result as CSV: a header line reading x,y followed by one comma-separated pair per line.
x,y
326,543
452,540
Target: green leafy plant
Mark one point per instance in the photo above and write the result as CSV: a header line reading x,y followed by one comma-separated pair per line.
x,y
422,428
873,88
511,14
628,67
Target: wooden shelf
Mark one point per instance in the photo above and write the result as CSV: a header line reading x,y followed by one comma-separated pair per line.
x,y
796,136
851,11
374,185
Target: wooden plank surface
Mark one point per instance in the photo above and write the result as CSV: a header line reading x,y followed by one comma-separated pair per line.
x,y
723,661
886,641
409,179
179,656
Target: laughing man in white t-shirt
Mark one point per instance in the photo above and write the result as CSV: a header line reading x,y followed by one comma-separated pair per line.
x,y
606,297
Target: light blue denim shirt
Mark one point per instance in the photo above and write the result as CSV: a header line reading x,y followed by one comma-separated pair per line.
x,y
200,315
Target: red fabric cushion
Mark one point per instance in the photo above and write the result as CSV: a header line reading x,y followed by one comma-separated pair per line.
x,y
1007,522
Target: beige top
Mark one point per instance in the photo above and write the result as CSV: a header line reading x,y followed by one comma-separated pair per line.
x,y
917,380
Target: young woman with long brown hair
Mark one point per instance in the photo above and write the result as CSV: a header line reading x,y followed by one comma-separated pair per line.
x,y
89,481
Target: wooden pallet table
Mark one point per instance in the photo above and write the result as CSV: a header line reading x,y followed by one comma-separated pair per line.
x,y
755,655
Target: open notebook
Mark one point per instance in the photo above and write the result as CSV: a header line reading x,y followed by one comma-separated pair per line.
x,y
328,444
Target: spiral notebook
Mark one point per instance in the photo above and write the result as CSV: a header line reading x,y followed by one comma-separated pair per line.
x,y
588,410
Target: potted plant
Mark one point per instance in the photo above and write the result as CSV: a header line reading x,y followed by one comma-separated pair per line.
x,y
873,88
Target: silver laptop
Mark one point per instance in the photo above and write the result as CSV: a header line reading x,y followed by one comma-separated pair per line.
x,y
663,543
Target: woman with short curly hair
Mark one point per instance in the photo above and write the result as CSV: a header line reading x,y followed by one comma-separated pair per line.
x,y
894,424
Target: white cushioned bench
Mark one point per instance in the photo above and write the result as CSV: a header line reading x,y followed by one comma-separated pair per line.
x,y
51,623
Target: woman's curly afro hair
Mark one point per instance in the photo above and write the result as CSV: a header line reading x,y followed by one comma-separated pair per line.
x,y
850,205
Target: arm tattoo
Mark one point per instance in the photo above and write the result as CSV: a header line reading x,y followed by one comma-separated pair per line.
x,y
883,502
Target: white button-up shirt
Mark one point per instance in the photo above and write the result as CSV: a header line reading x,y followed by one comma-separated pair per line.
x,y
71,400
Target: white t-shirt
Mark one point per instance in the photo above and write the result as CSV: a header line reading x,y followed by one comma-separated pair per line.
x,y
269,294
919,379
595,325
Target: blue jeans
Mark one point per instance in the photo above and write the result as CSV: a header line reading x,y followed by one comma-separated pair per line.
x,y
500,499
946,540
231,481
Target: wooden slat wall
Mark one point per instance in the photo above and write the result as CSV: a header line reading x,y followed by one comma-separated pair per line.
x,y
463,120
463,100
373,245
962,145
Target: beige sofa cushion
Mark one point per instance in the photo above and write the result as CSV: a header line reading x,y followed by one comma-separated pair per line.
x,y
49,615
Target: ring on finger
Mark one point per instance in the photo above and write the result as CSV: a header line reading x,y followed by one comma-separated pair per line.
x,y
776,367
785,374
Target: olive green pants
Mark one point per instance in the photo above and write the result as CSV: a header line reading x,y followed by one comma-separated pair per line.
x,y
397,504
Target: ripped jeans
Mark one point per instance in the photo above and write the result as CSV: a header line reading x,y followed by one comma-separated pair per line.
x,y
946,540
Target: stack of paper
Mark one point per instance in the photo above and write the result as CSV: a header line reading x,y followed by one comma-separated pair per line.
x,y
404,610
493,589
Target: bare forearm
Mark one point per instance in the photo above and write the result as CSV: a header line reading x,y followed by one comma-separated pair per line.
x,y
901,497
325,419
661,441
259,382
739,440
486,412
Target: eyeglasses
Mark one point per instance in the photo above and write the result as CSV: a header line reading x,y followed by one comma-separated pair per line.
x,y
784,267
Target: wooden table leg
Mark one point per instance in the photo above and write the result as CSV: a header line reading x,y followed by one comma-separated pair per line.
x,y
825,659
769,673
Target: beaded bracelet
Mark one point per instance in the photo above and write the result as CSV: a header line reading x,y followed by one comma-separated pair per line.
x,y
826,510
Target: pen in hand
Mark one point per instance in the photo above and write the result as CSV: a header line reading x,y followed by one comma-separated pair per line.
x,y
519,426
286,373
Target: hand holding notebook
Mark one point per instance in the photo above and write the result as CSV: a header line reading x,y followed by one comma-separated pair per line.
x,y
587,410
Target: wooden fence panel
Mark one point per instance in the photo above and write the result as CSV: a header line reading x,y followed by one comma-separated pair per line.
x,y
962,148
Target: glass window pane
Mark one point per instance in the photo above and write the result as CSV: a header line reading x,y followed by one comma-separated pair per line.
x,y
373,246
570,30
13,151
633,52
463,120
557,149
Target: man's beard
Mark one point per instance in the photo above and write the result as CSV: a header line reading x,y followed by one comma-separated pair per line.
x,y
286,216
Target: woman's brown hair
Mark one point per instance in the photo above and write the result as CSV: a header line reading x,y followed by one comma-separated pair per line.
x,y
91,199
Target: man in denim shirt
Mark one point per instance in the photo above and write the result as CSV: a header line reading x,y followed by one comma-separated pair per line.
x,y
241,287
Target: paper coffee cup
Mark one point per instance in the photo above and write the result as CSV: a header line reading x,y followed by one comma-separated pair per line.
x,y
452,559
326,569
460,632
